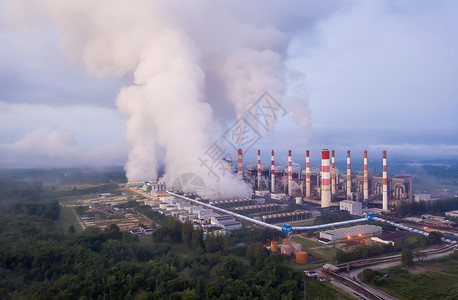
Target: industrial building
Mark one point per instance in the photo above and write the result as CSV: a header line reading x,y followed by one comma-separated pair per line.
x,y
261,208
298,215
226,222
349,232
236,202
353,207
327,183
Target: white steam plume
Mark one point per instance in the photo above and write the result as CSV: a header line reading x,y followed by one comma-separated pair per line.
x,y
184,67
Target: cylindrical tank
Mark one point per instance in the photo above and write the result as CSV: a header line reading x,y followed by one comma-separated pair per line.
x,y
286,249
285,242
301,257
274,246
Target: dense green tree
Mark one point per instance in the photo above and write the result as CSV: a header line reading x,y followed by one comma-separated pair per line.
x,y
407,256
256,253
420,255
187,230
197,238
435,237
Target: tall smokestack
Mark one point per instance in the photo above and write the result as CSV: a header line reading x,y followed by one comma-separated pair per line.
x,y
366,185
385,183
325,179
348,176
333,174
307,174
259,169
290,175
272,174
240,165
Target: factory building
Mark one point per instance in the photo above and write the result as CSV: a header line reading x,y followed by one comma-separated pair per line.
x,y
297,215
226,222
261,208
349,232
353,207
236,202
286,182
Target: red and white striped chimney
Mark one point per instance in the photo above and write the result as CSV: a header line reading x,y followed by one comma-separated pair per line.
x,y
307,174
348,176
333,174
240,165
259,169
366,184
385,183
325,179
290,175
272,174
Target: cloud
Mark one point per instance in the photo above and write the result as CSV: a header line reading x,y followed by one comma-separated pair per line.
x,y
51,147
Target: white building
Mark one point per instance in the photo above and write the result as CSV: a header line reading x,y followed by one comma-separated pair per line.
x,y
262,193
350,232
204,213
226,222
453,214
278,196
421,197
353,207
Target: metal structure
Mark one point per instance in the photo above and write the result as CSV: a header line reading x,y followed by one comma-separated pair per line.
x,y
385,184
333,174
290,175
302,228
307,174
259,169
348,177
325,179
272,174
366,183
240,165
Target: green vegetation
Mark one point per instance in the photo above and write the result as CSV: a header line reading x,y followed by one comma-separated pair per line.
x,y
299,223
422,207
317,290
316,249
407,257
434,279
44,263
67,218
45,255
339,216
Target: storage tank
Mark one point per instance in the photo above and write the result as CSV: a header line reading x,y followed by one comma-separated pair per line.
x,y
296,246
286,249
301,257
274,246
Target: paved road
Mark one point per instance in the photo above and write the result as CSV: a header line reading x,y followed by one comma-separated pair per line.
x,y
355,275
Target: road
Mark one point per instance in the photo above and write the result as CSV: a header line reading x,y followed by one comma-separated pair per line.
x,y
78,218
351,281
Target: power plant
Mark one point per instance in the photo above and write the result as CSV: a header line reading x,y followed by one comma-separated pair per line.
x,y
326,185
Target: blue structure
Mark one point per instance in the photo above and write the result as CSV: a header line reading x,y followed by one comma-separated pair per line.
x,y
287,228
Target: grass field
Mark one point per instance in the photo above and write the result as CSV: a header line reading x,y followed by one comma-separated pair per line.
x,y
67,218
298,223
325,290
435,279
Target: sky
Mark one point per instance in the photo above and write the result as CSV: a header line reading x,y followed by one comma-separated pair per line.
x,y
349,74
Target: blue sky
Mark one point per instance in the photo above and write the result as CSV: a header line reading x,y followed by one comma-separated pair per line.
x,y
376,75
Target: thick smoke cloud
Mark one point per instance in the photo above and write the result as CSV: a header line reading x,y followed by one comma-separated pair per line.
x,y
189,69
